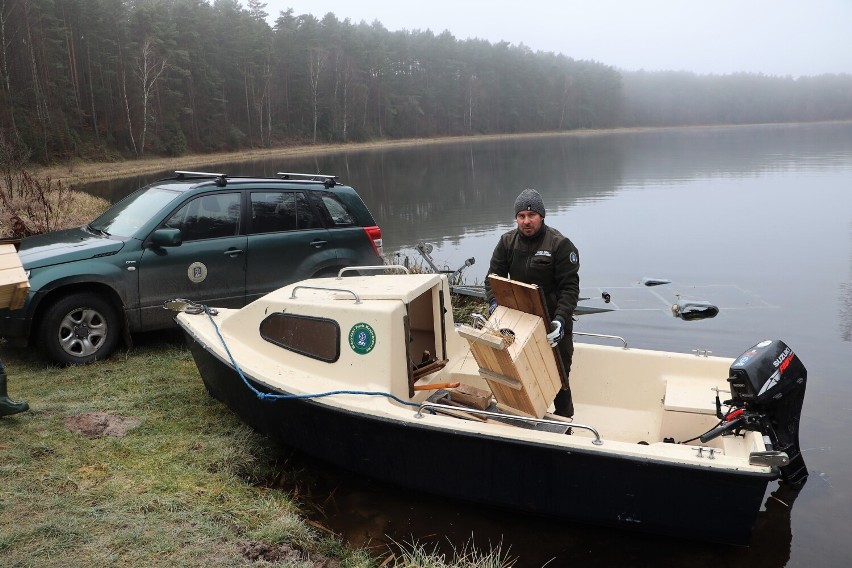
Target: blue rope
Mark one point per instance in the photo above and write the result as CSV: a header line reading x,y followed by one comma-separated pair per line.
x,y
272,397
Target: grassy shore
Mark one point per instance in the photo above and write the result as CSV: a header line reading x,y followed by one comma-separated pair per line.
x,y
129,462
183,486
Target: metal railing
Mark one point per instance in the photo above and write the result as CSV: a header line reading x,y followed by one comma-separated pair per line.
x,y
344,290
601,336
455,409
363,268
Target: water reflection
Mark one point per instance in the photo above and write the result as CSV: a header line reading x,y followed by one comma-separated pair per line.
x,y
846,299
381,517
428,192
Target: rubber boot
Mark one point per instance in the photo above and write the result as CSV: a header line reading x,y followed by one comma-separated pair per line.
x,y
7,405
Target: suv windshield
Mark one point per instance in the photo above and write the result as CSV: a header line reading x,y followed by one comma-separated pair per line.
x,y
125,217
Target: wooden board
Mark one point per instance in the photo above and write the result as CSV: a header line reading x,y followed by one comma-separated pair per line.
x,y
527,298
14,285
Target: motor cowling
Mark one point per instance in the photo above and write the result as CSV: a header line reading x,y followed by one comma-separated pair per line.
x,y
768,383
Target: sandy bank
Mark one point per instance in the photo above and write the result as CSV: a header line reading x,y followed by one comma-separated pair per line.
x,y
77,171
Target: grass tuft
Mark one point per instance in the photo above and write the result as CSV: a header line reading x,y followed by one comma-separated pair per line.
x,y
469,556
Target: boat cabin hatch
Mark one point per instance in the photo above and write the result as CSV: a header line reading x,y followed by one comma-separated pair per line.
x,y
425,323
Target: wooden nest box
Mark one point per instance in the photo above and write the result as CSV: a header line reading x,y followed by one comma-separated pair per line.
x,y
14,285
512,351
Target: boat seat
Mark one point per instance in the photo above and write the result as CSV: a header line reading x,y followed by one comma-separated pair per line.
x,y
692,394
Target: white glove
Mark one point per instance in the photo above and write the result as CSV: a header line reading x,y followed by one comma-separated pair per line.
x,y
556,334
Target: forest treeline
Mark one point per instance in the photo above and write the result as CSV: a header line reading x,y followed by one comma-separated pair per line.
x,y
107,79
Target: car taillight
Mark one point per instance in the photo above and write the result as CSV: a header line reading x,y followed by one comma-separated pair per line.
x,y
375,236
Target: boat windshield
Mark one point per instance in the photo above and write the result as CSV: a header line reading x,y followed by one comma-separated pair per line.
x,y
126,217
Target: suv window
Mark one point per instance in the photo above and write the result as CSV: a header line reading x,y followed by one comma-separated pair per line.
x,y
125,217
339,214
333,210
275,211
208,217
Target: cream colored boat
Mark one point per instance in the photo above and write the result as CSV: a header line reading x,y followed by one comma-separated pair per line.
x,y
361,370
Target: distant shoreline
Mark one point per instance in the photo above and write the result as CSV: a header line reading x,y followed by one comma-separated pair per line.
x,y
80,172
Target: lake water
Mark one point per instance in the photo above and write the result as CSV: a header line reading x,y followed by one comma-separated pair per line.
x,y
757,220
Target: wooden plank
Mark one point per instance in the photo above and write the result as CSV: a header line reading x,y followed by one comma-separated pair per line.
x,y
9,257
518,295
514,411
536,385
13,280
455,413
543,362
480,335
510,382
428,369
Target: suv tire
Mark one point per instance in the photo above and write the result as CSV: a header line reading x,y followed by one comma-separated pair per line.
x,y
79,328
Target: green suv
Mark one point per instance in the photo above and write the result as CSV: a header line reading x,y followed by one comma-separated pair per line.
x,y
211,238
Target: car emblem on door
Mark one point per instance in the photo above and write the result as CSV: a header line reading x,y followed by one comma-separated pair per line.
x,y
197,272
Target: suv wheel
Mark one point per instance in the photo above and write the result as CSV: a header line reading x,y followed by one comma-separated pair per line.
x,y
79,328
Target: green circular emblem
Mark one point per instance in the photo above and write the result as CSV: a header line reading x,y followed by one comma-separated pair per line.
x,y
362,338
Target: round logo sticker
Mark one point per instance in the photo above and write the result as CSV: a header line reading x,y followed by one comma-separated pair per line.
x,y
197,272
362,338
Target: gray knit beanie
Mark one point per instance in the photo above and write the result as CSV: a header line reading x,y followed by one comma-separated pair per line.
x,y
529,200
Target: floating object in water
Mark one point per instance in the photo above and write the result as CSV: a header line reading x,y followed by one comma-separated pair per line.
x,y
689,310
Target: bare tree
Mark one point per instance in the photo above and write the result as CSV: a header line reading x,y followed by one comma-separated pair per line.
x,y
38,86
348,76
127,109
316,61
149,68
5,43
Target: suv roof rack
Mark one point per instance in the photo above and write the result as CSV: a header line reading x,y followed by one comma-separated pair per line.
x,y
327,180
221,179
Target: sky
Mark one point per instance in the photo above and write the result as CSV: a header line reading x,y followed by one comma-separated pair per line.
x,y
773,37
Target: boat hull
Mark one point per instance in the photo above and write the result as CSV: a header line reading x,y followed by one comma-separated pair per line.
x,y
583,485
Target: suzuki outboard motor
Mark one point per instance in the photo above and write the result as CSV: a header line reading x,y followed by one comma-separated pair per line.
x,y
767,392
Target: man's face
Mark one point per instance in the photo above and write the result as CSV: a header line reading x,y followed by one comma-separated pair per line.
x,y
529,222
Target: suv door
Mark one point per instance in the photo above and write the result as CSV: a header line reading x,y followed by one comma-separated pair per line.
x,y
208,266
287,241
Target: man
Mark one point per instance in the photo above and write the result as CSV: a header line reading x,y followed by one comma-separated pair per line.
x,y
537,254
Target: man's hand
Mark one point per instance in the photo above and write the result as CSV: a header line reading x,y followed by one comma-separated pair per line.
x,y
556,334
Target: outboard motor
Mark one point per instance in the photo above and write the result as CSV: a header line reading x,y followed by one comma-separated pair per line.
x,y
767,391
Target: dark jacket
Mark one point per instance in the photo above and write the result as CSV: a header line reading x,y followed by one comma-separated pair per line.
x,y
547,259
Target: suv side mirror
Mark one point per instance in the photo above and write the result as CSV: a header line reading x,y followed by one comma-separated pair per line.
x,y
166,238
